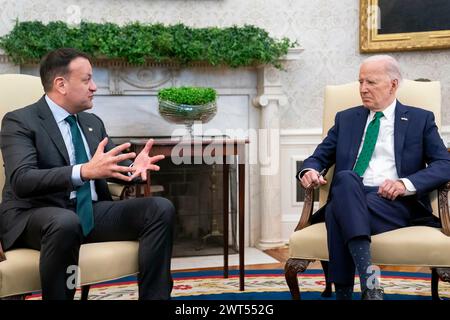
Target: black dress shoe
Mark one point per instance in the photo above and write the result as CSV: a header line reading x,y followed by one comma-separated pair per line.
x,y
372,294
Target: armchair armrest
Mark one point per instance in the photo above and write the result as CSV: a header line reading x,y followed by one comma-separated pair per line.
x,y
308,205
2,254
444,214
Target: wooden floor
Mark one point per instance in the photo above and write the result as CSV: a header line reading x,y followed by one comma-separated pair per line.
x,y
282,254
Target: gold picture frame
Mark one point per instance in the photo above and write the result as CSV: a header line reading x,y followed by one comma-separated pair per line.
x,y
372,40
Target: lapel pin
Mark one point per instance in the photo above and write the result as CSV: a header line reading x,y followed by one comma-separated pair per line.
x,y
404,119
90,129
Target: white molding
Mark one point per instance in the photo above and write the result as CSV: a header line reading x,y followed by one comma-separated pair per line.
x,y
295,145
293,54
300,137
313,136
294,182
318,131
301,132
445,132
5,59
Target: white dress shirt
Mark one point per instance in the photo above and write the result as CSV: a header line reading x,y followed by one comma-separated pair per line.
x,y
382,164
60,115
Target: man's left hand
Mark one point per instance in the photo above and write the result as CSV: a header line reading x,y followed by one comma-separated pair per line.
x,y
391,189
144,162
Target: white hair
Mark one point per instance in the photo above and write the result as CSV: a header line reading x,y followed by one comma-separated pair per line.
x,y
391,65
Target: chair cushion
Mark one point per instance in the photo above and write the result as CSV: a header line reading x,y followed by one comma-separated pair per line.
x,y
19,273
411,246
99,262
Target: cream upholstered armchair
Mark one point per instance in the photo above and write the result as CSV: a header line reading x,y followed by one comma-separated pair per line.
x,y
411,246
19,268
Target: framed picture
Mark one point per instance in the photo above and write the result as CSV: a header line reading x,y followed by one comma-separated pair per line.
x,y
404,25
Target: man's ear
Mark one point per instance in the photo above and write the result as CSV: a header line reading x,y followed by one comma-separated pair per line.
x,y
394,84
59,84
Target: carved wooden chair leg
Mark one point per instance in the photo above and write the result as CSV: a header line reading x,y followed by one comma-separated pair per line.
x,y
85,292
436,275
328,286
291,269
434,285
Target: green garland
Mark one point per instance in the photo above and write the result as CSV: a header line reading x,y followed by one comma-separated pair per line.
x,y
136,43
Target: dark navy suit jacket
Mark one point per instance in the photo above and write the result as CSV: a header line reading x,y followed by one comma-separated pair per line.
x,y
420,154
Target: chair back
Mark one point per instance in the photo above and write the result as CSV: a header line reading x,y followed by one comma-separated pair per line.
x,y
421,94
16,91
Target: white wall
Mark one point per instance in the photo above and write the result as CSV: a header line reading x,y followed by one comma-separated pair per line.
x,y
328,30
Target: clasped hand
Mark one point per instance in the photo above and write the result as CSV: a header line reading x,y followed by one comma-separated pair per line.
x,y
106,164
391,189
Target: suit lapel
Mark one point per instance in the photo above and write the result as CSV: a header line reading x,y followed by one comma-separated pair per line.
x,y
400,128
52,129
357,127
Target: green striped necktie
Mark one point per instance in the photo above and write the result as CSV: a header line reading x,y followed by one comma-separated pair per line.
x,y
84,198
370,140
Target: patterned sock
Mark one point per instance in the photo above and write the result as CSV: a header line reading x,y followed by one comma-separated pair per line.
x,y
360,250
343,292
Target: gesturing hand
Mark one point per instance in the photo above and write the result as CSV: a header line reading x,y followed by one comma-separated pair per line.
x,y
144,162
391,189
105,164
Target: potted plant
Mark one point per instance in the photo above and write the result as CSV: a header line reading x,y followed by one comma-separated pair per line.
x,y
185,105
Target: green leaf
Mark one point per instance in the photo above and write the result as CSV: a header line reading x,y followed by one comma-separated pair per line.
x,y
188,95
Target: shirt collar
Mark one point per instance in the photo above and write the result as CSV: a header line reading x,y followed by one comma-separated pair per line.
x,y
59,113
388,112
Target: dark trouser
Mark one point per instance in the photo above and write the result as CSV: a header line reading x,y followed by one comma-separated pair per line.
x,y
56,232
354,210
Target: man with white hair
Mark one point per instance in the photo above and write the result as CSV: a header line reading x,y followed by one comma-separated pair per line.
x,y
387,158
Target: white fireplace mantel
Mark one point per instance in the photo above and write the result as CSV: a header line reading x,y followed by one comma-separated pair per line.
x,y
249,100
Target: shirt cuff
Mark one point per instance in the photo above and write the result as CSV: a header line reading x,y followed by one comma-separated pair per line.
x,y
300,173
410,189
76,176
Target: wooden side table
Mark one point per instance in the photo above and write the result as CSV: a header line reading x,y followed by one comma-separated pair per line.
x,y
218,148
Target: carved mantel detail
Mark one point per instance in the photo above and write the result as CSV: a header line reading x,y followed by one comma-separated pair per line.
x,y
143,78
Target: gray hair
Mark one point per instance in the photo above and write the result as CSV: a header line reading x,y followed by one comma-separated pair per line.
x,y
391,65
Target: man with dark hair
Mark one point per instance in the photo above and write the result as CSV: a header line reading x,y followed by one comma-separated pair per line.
x,y
55,197
56,63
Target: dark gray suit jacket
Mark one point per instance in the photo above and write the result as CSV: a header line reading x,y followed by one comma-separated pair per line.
x,y
37,165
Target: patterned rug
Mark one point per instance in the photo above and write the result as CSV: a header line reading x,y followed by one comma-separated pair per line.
x,y
264,285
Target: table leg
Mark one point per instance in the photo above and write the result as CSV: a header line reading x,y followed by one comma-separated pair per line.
x,y
225,216
241,224
148,185
138,191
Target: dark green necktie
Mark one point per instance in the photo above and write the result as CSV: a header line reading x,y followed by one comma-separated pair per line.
x,y
84,198
369,144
